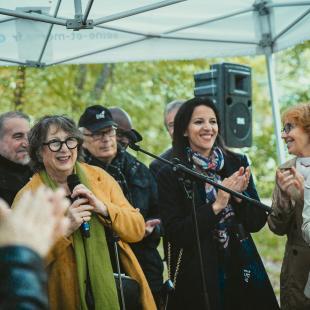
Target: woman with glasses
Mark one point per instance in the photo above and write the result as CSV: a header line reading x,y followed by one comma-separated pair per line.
x,y
288,204
81,269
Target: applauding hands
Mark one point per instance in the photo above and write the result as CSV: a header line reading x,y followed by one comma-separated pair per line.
x,y
286,178
238,182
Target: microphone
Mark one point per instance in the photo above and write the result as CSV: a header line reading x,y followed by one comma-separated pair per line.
x,y
134,146
73,180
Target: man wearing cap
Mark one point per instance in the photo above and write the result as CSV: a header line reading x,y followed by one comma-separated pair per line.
x,y
136,181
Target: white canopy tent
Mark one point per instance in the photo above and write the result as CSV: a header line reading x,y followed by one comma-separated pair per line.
x,y
48,32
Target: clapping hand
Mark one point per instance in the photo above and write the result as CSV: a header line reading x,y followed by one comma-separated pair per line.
x,y
238,182
242,179
290,177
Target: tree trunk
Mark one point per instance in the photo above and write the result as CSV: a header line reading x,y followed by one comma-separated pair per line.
x,y
80,79
101,82
20,88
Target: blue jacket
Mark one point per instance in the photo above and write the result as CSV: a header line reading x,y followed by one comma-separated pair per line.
x,y
23,280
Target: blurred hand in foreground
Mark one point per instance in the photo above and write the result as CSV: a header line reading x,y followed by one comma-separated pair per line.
x,y
37,221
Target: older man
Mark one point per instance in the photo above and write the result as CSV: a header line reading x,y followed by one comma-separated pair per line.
x,y
137,183
170,112
14,158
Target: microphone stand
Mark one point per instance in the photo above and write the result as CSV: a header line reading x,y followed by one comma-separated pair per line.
x,y
178,167
115,239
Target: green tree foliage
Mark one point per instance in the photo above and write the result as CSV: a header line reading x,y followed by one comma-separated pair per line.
x,y
293,71
144,88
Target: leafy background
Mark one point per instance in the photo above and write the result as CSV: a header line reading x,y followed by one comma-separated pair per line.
x,y
143,89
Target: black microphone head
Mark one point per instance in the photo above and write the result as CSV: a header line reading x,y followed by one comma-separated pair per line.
x,y
134,147
73,180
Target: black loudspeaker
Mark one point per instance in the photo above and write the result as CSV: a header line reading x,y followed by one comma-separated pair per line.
x,y
229,86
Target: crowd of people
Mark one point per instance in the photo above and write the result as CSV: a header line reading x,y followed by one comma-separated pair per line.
x,y
92,243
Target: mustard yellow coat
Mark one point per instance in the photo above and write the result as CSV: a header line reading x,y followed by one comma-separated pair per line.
x,y
126,221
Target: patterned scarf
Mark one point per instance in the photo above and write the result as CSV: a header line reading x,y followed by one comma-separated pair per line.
x,y
210,166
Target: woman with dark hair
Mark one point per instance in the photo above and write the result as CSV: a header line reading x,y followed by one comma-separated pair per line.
x,y
80,269
234,274
289,209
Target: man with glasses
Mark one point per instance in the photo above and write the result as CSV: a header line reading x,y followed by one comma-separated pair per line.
x,y
136,181
14,158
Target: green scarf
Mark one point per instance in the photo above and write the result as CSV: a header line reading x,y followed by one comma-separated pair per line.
x,y
98,258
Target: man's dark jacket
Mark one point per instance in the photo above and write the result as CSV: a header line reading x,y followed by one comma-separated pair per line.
x,y
139,187
12,178
156,165
23,280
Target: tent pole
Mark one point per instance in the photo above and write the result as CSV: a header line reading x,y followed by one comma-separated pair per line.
x,y
49,33
88,8
78,9
135,11
275,106
34,17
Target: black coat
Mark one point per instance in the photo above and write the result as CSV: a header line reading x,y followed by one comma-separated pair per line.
x,y
156,165
176,214
23,280
13,177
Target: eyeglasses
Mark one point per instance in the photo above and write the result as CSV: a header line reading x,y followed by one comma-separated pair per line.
x,y
288,127
98,135
56,145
